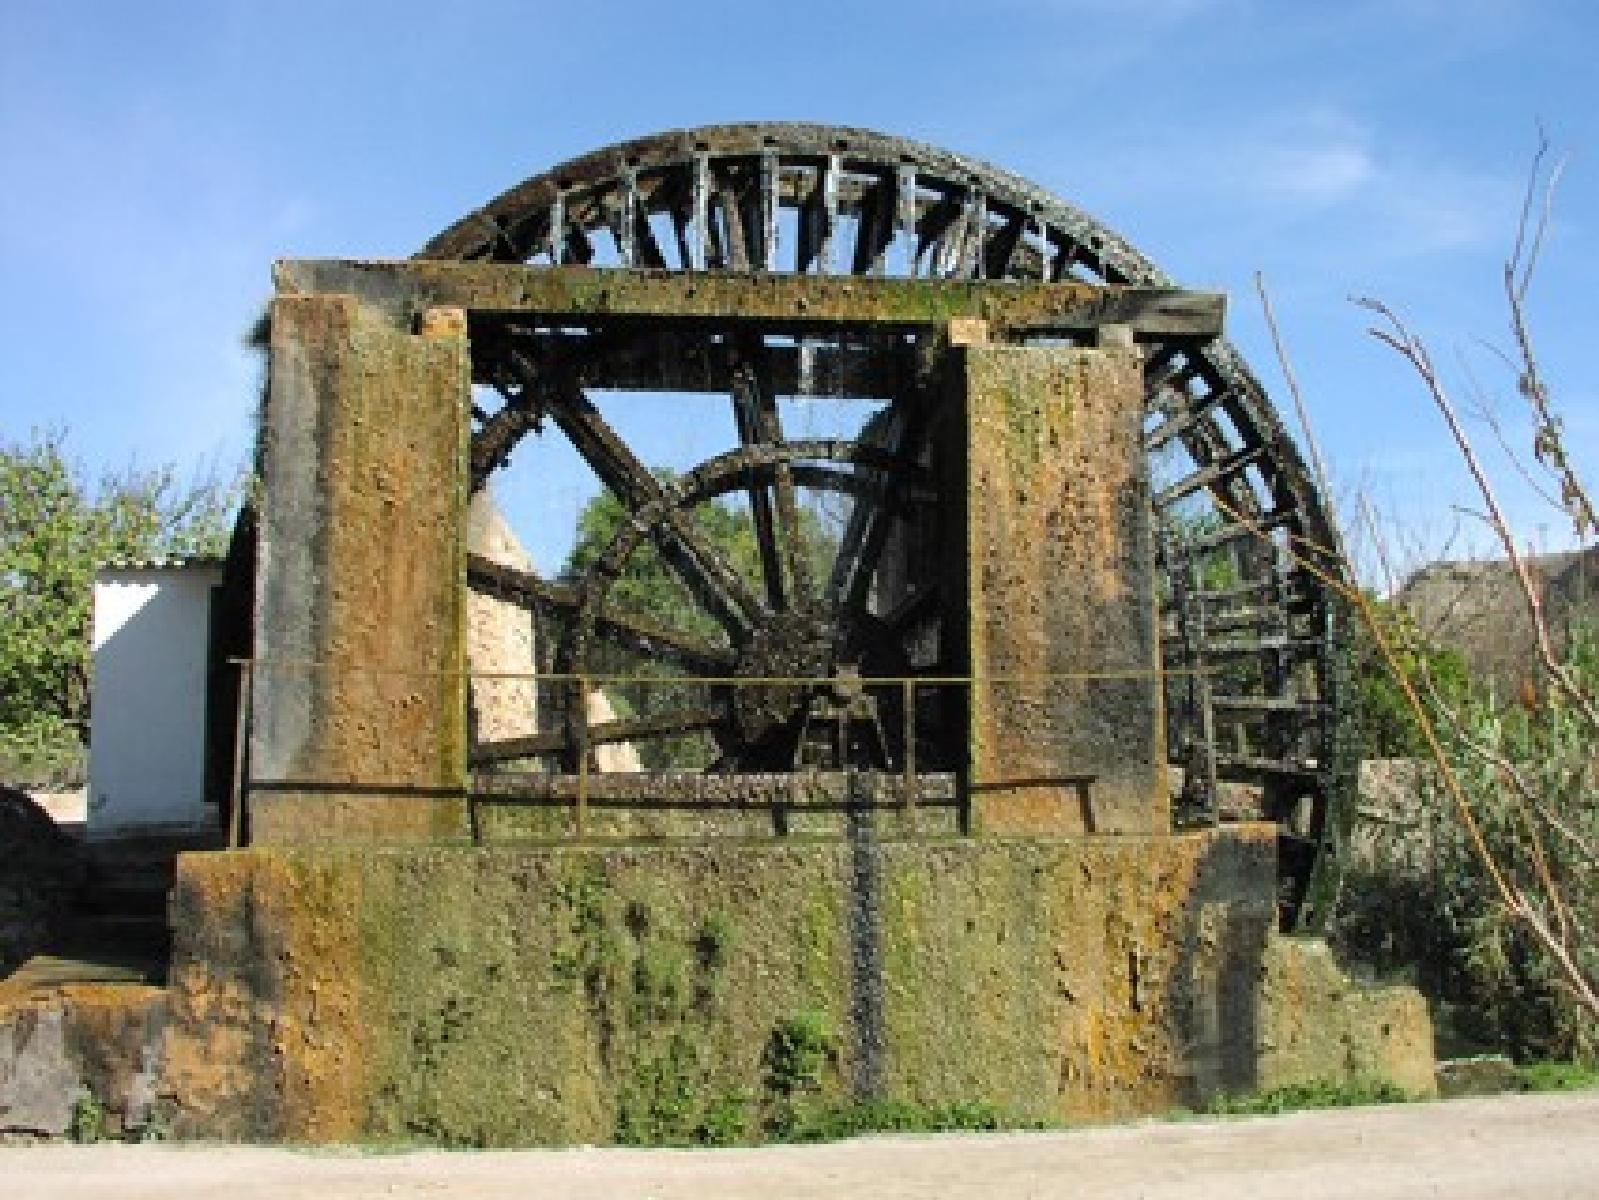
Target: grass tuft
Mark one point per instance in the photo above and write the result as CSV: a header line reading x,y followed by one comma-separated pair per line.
x,y
1321,1093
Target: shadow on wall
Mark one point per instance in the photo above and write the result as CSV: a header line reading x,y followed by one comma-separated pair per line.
x,y
1214,992
147,756
41,871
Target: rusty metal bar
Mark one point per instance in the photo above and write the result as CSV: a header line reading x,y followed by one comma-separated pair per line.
x,y
908,704
593,678
241,727
580,811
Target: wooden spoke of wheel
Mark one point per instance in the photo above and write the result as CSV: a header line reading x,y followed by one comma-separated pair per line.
x,y
868,204
891,483
774,508
686,549
635,631
866,534
678,723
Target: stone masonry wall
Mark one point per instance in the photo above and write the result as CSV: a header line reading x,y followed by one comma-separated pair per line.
x,y
584,994
361,572
1059,573
673,993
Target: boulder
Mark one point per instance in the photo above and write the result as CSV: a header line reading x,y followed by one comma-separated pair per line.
x,y
41,869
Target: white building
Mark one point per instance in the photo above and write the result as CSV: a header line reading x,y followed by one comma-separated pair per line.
x,y
147,736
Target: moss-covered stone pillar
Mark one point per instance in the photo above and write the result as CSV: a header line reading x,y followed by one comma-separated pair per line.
x,y
1066,728
358,728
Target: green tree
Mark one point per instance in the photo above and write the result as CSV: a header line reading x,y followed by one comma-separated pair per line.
x,y
56,529
1531,766
1415,902
1388,727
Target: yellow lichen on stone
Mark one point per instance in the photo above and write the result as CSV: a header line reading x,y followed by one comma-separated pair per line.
x,y
590,993
1318,1025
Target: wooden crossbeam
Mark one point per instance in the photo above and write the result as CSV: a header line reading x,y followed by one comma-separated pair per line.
x,y
777,303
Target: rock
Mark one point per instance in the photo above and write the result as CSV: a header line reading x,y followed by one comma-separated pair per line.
x,y
41,870
38,1081
1483,1075
500,638
98,1045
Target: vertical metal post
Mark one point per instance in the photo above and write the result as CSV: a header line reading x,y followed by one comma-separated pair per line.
x,y
241,725
1198,733
581,813
1201,691
908,704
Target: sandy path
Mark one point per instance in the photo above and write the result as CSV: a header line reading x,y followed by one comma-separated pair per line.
x,y
1544,1147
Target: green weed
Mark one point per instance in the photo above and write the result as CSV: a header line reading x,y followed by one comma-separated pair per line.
x,y
88,1121
1316,1094
1558,1076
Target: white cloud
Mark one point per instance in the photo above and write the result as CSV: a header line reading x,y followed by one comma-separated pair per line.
x,y
1318,176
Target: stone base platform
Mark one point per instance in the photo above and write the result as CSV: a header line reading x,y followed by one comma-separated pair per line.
x,y
591,993
669,992
84,1055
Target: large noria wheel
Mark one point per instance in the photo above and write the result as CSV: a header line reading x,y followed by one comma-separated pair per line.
x,y
1256,704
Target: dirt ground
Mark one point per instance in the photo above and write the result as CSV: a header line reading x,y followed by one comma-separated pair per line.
x,y
1508,1147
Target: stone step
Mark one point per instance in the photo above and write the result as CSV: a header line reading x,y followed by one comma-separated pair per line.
x,y
102,949
45,972
131,876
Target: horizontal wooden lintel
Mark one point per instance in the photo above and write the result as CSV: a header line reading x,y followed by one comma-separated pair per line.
x,y
780,303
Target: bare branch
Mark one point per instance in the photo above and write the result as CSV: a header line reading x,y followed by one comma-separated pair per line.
x,y
1511,896
1397,335
1536,843
1484,410
1548,445
1292,380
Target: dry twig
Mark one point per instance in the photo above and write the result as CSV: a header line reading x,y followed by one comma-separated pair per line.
x,y
1533,895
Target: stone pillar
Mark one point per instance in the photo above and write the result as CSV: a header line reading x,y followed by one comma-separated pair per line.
x,y
1059,580
359,716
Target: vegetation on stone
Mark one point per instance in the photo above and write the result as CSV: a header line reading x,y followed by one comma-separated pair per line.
x,y
1558,1076
1388,727
1420,906
88,1120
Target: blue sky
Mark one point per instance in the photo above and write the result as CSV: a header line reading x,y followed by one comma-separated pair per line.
x,y
156,157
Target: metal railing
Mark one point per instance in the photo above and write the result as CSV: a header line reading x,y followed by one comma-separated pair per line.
x,y
585,683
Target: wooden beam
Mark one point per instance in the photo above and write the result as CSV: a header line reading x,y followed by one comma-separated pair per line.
x,y
682,360
582,296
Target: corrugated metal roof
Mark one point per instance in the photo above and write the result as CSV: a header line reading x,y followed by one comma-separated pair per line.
x,y
171,562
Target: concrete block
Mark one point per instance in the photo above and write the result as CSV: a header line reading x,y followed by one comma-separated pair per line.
x,y
358,725
1058,567
96,1042
1319,1025
527,995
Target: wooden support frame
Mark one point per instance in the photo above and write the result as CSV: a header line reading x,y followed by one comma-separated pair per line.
x,y
775,303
